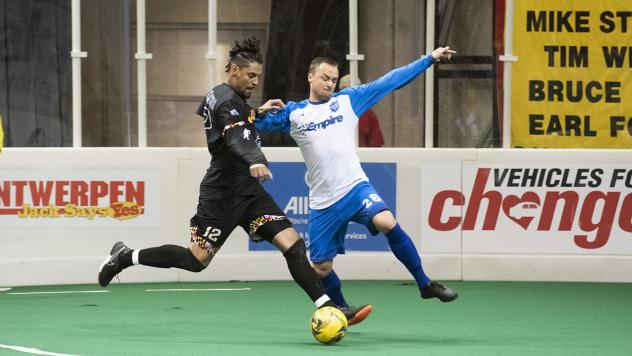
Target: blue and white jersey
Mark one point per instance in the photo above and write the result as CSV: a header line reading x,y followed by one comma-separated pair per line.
x,y
325,132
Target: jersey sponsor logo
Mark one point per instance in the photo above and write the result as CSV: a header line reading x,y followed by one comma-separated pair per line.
x,y
315,126
25,199
246,134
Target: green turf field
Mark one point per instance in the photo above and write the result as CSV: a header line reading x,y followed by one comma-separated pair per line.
x,y
271,318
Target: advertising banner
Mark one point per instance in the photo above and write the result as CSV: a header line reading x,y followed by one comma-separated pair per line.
x,y
572,81
289,189
79,198
531,208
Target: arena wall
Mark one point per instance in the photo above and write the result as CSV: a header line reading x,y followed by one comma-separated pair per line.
x,y
475,214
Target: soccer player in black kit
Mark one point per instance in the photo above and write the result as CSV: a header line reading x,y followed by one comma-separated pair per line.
x,y
231,194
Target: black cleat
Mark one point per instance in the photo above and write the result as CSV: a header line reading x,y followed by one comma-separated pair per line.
x,y
112,264
436,290
356,315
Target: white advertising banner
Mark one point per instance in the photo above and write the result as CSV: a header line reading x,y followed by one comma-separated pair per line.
x,y
437,177
530,208
79,198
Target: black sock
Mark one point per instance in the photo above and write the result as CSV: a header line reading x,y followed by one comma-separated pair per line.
x,y
167,256
329,303
302,272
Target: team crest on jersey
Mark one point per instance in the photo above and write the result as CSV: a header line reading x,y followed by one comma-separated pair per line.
x,y
251,117
246,134
334,105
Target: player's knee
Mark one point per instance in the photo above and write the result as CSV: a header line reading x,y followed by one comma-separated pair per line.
x,y
323,269
384,221
297,250
192,263
195,265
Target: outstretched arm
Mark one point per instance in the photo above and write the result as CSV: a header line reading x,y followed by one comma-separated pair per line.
x,y
365,96
442,53
275,118
270,105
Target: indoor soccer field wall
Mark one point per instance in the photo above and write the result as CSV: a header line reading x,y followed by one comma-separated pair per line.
x,y
548,215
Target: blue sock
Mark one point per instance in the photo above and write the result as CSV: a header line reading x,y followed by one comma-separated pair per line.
x,y
405,251
333,289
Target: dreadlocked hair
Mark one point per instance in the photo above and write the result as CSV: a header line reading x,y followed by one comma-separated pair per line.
x,y
242,54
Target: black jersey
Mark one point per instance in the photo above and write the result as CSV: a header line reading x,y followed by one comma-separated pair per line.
x,y
232,140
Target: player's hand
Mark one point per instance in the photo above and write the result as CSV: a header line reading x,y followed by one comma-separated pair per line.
x,y
270,105
442,52
261,172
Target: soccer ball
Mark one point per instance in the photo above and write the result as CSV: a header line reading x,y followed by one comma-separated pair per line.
x,y
329,325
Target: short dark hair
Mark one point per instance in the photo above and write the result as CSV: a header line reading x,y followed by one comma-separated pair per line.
x,y
318,60
242,54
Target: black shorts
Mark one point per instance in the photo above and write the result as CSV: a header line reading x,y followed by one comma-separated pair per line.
x,y
220,211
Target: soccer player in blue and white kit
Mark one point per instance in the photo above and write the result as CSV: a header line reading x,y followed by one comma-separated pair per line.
x,y
231,193
324,128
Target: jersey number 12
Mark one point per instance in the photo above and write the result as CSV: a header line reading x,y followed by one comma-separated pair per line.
x,y
212,233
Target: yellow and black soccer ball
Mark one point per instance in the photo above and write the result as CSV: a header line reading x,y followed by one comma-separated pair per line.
x,y
329,325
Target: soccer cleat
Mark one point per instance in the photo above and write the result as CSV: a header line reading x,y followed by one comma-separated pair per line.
x,y
436,290
356,315
112,264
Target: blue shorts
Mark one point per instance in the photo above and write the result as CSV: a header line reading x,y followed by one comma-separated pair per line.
x,y
328,227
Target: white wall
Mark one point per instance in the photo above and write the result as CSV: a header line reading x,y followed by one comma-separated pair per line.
x,y
41,251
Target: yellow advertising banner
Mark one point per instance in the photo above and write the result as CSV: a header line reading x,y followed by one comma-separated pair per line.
x,y
572,82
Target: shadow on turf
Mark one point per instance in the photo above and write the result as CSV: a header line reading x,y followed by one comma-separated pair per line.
x,y
370,339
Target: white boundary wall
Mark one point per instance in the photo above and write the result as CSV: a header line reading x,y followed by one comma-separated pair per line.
x,y
35,251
